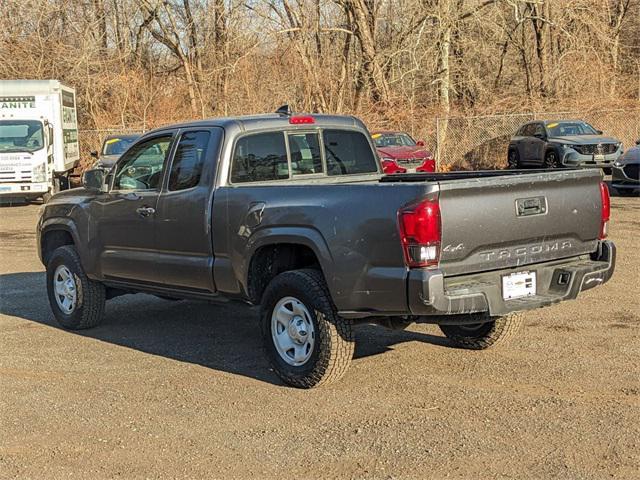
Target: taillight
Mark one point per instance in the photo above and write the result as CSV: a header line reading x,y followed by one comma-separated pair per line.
x,y
300,120
605,212
420,233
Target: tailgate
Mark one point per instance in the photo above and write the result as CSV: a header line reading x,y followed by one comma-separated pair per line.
x,y
513,220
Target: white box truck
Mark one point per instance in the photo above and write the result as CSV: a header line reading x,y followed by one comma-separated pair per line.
x,y
38,137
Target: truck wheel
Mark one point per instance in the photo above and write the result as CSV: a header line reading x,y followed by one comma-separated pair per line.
x,y
480,336
513,159
77,302
305,340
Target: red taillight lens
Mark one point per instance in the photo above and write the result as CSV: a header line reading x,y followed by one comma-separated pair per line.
x,y
300,120
605,212
420,233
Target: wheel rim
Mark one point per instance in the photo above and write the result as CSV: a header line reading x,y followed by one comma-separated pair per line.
x,y
513,163
551,160
65,290
292,331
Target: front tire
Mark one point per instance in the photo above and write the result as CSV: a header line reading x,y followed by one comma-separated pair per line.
x,y
480,336
551,160
305,340
77,302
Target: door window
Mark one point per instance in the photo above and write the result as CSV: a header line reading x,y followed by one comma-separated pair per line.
x,y
260,157
305,153
528,130
142,166
188,160
538,130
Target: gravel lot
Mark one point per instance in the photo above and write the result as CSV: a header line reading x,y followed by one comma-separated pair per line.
x,y
181,389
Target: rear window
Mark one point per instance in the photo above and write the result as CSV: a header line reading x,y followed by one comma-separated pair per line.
x,y
263,157
259,158
306,158
348,153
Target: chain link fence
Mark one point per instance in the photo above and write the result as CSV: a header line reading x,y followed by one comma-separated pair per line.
x,y
459,143
478,143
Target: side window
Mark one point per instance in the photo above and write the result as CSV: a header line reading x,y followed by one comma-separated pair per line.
x,y
188,160
142,166
538,129
305,153
348,153
527,130
260,157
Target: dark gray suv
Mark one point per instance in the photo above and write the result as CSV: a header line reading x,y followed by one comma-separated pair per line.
x,y
562,143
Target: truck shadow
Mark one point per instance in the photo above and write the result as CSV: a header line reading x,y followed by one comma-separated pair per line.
x,y
223,337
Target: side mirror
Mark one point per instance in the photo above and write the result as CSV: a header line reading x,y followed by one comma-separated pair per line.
x,y
94,154
420,143
638,141
599,132
94,180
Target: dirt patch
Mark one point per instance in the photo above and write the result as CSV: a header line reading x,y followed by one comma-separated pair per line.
x,y
182,390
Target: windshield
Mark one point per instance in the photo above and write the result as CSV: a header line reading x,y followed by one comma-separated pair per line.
x,y
116,146
21,136
564,129
393,140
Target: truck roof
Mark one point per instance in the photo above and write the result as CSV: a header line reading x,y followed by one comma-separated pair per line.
x,y
31,87
267,121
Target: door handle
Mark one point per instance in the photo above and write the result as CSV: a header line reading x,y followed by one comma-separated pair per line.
x,y
145,211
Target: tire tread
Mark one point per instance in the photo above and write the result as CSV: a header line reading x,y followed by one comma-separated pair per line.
x,y
335,333
92,295
503,330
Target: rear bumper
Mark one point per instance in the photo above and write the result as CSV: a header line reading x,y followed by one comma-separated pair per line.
x,y
430,293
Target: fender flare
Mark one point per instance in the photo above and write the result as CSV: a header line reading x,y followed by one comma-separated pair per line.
x,y
66,225
305,236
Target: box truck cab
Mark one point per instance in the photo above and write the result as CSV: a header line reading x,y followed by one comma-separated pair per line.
x,y
38,137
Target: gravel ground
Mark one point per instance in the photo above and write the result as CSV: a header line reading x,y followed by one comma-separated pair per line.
x,y
181,389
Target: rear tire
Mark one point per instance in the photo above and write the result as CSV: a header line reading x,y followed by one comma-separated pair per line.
x,y
305,340
77,302
480,336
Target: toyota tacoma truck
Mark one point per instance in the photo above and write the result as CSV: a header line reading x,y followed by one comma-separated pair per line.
x,y
293,213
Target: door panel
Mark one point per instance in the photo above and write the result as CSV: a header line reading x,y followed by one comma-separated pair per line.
x,y
183,217
127,235
126,223
538,145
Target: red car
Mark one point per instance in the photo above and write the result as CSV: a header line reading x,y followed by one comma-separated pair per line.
x,y
399,152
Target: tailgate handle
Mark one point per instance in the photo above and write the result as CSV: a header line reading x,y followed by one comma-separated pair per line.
x,y
531,206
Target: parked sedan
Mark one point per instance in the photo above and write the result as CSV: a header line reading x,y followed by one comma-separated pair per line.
x,y
626,174
112,147
400,148
562,143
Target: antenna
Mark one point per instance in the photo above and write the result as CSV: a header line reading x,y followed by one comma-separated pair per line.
x,y
284,110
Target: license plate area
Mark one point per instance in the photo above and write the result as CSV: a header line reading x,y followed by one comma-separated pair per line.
x,y
518,285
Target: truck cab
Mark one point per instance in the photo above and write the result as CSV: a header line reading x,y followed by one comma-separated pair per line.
x,y
38,138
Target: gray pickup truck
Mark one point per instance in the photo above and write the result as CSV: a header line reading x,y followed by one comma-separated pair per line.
x,y
293,213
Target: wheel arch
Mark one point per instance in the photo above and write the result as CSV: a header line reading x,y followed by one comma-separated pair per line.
x,y
273,251
55,234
